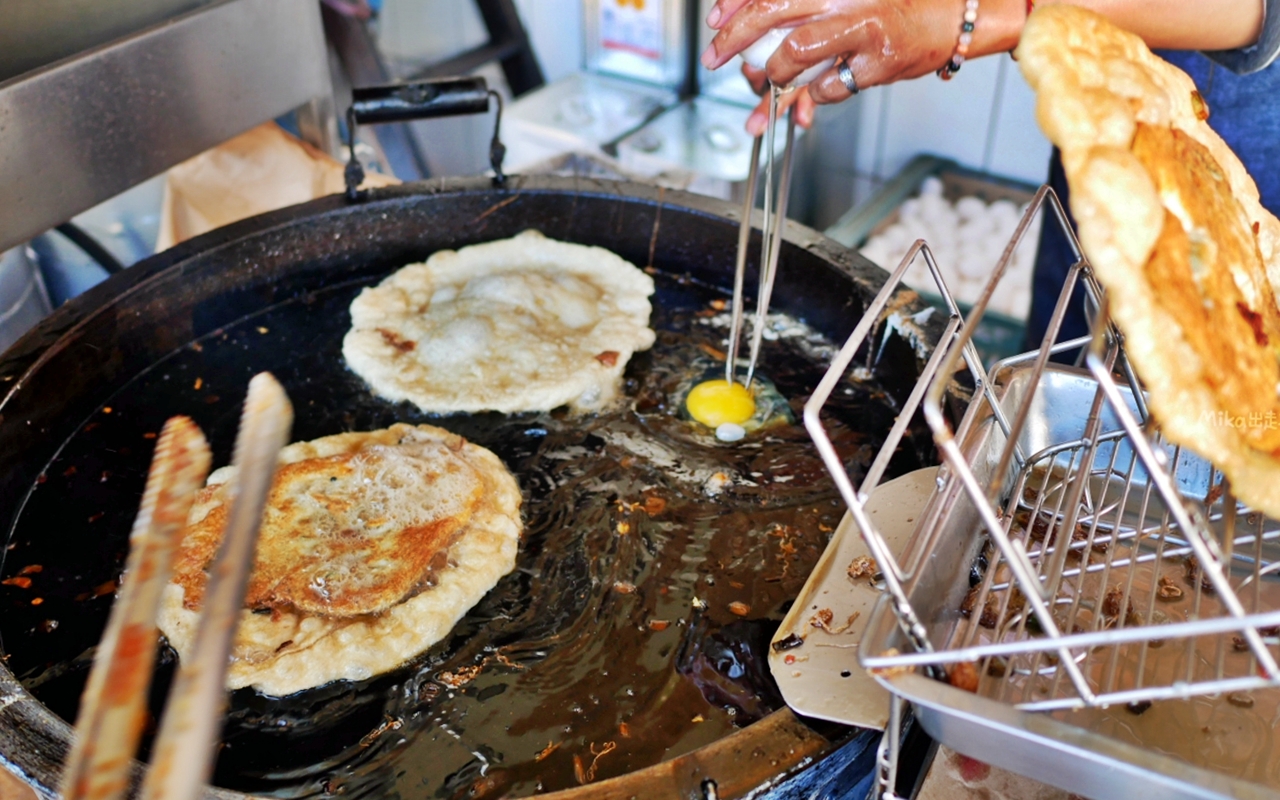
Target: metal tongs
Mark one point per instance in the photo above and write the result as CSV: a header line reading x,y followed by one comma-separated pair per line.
x,y
112,710
775,216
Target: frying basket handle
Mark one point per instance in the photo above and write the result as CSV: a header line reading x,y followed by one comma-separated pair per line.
x,y
423,99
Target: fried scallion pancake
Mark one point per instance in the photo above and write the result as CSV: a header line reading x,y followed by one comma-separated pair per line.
x,y
372,546
521,324
1171,223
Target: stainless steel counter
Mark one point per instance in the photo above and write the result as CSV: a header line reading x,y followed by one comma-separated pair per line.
x,y
84,129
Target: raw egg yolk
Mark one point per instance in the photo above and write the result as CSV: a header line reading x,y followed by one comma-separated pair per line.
x,y
715,402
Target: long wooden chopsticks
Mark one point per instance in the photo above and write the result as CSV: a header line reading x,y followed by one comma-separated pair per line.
x,y
111,714
112,710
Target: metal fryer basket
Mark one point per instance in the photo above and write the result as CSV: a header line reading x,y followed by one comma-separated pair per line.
x,y
1069,558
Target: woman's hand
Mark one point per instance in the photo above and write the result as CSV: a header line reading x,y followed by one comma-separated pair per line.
x,y
759,119
884,41
881,40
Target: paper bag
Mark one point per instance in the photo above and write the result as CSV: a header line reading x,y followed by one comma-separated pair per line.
x,y
260,170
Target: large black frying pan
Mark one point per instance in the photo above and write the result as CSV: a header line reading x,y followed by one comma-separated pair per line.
x,y
57,382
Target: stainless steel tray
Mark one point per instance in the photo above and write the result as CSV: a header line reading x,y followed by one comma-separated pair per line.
x,y
1066,749
1072,563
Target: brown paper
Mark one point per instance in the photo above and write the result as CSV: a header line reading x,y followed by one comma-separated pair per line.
x,y
260,170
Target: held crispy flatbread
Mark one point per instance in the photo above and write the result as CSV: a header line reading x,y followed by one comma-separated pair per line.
x,y
1171,222
372,547
521,324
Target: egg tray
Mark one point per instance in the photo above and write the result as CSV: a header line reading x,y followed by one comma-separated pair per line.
x,y
997,335
1070,561
879,211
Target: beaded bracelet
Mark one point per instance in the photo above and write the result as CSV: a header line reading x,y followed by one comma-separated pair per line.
x,y
962,45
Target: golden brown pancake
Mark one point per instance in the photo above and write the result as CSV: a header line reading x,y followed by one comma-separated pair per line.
x,y
372,546
1172,225
346,534
520,324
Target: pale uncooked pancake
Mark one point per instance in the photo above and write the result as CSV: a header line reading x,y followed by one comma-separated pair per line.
x,y
1171,222
372,547
521,324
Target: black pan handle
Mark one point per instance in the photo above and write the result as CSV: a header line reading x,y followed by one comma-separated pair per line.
x,y
424,99
443,97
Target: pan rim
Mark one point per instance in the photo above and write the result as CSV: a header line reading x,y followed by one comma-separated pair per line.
x,y
801,742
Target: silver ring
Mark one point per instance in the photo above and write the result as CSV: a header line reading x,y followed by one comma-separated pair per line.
x,y
846,77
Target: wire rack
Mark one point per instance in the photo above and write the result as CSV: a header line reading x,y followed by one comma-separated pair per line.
x,y
1085,561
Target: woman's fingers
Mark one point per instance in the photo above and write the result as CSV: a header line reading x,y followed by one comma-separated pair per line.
x,y
887,40
888,43
758,78
865,70
881,41
751,21
722,11
812,44
829,88
804,109
800,99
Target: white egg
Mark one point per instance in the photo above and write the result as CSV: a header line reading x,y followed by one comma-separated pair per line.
x,y
932,206
973,266
943,238
921,278
759,52
1004,208
898,236
946,257
976,230
967,239
1003,234
970,207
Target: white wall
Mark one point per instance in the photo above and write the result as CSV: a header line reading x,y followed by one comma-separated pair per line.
x,y
983,118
